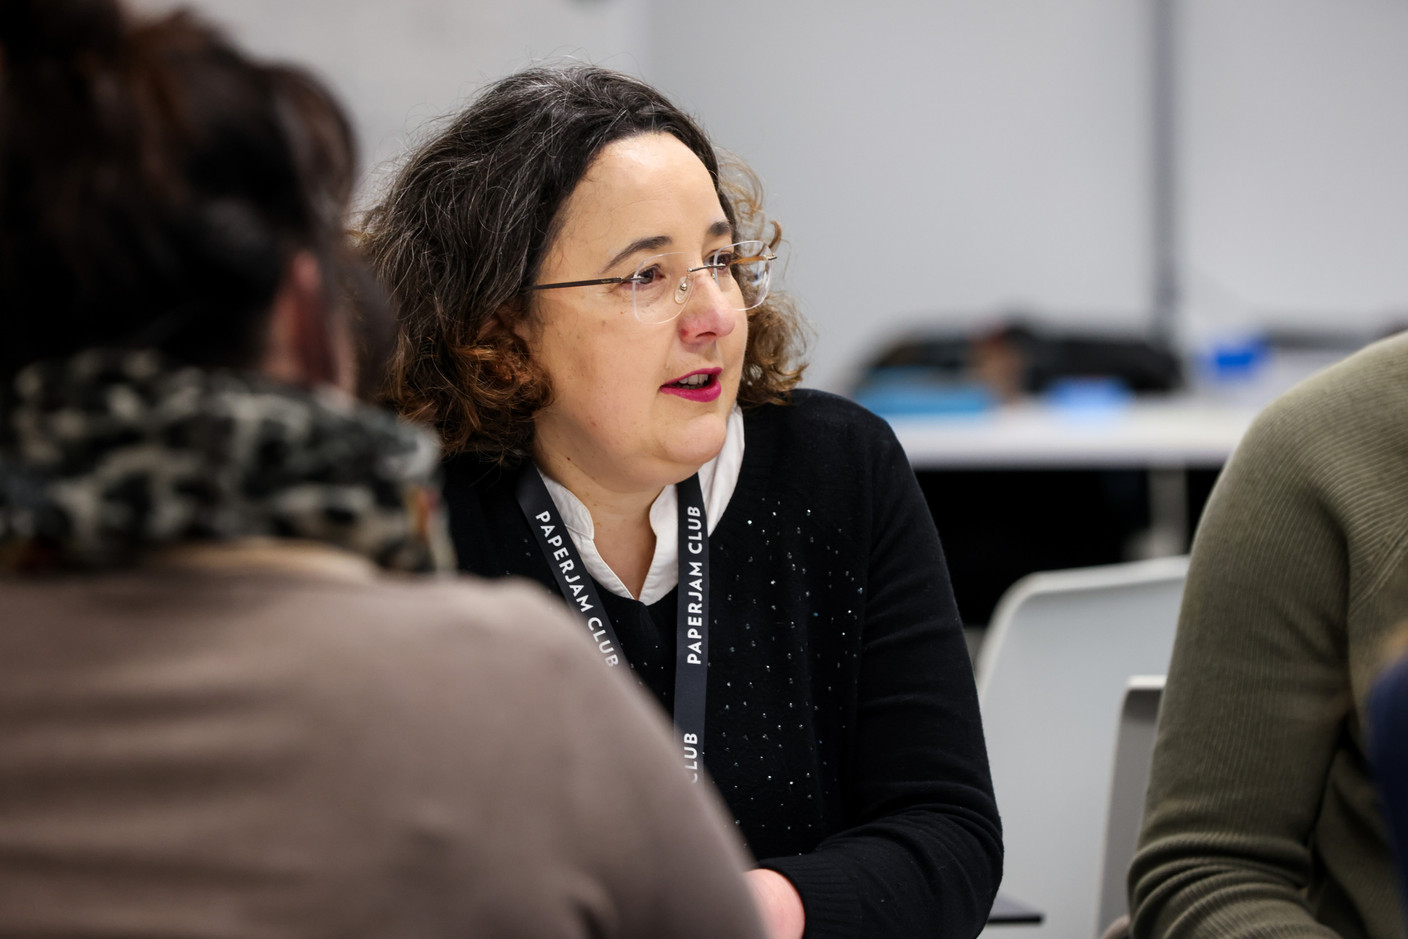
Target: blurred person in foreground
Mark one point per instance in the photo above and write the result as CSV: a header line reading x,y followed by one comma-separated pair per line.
x,y
586,314
227,705
1262,818
1388,748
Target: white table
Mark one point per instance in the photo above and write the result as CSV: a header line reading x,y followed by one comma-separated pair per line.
x,y
1165,435
1172,432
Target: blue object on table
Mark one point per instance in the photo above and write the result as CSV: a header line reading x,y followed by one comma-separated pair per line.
x,y
900,391
1088,396
1234,358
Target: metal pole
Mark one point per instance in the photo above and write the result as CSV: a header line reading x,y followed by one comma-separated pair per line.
x,y
1164,171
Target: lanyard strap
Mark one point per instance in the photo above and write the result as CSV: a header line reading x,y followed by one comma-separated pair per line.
x,y
692,613
561,554
692,623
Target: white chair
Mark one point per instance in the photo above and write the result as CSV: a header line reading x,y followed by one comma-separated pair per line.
x,y
1051,677
1129,783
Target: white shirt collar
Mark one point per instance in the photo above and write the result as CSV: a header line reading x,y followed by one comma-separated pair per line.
x,y
717,480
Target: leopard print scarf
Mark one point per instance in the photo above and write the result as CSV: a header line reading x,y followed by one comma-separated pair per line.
x,y
111,454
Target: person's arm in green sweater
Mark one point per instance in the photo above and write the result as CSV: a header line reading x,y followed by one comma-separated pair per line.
x,y
1256,701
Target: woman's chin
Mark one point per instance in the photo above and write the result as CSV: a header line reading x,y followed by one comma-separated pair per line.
x,y
700,443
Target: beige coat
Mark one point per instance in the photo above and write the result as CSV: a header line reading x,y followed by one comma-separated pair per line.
x,y
277,740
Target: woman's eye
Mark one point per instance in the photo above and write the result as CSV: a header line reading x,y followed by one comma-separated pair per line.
x,y
721,259
645,277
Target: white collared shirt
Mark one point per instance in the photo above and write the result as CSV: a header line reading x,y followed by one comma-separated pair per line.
x,y
717,480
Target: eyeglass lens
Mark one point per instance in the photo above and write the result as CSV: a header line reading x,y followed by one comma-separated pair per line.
x,y
662,284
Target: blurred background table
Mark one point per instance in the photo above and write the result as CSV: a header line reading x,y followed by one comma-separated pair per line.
x,y
1032,460
1033,486
1174,431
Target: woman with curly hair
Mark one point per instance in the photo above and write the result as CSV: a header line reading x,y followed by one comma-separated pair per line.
x,y
586,314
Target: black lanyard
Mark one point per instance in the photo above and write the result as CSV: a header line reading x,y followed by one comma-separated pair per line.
x,y
692,615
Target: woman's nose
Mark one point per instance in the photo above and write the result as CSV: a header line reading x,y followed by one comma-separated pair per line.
x,y
707,313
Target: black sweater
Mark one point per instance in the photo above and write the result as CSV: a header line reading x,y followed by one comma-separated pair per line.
x,y
843,726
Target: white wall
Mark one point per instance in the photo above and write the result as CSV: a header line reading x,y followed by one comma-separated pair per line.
x,y
1296,160
933,161
943,160
397,65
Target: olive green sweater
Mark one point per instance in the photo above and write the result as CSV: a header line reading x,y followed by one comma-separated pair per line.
x,y
1262,818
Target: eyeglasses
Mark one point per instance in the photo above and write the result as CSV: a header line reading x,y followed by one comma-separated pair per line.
x,y
663,283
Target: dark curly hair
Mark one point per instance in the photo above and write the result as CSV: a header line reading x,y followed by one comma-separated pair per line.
x,y
155,182
460,234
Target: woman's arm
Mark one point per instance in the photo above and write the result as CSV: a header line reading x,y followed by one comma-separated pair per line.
x,y
923,856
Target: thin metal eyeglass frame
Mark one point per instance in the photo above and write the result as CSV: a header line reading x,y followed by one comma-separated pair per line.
x,y
769,258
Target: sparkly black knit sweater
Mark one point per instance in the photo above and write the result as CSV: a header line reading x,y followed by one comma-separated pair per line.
x,y
843,726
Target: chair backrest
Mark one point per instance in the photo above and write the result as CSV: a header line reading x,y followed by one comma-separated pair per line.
x,y
1129,782
1051,676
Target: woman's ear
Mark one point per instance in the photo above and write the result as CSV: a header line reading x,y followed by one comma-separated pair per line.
x,y
514,319
306,344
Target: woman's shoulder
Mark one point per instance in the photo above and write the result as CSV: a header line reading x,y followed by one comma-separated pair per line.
x,y
825,447
470,470
820,418
475,487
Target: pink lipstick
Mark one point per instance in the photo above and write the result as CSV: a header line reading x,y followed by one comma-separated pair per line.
x,y
700,385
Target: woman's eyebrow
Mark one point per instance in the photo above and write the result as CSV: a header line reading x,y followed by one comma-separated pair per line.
x,y
653,243
657,242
